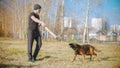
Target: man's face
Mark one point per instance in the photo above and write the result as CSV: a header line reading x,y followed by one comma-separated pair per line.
x,y
38,11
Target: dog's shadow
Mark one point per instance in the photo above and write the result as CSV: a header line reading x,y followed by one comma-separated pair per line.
x,y
109,59
45,57
103,59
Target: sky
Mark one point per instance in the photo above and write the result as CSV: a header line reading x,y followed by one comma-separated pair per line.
x,y
109,10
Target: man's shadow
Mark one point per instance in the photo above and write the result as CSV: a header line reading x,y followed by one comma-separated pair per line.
x,y
45,57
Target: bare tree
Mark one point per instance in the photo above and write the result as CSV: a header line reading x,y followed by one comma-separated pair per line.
x,y
15,22
86,32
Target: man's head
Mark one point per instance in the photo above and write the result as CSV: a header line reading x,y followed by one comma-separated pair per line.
x,y
37,8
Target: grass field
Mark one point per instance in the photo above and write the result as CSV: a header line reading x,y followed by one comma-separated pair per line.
x,y
13,54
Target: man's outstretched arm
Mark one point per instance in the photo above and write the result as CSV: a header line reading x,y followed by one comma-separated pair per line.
x,y
38,21
43,25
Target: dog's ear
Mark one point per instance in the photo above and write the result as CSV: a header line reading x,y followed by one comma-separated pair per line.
x,y
71,45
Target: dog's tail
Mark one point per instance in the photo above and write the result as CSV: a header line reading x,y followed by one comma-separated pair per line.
x,y
97,50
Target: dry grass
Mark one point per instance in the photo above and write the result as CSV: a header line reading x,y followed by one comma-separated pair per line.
x,y
13,54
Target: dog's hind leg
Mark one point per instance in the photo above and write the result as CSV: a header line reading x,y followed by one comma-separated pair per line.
x,y
94,54
91,52
97,58
90,57
74,58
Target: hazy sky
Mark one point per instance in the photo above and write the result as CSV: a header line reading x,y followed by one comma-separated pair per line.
x,y
109,10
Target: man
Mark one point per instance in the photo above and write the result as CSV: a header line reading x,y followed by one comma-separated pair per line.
x,y
34,32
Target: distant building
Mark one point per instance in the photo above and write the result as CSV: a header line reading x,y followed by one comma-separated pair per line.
x,y
112,36
68,22
98,24
100,28
115,28
119,30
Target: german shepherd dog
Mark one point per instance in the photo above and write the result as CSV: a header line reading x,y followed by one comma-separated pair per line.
x,y
83,50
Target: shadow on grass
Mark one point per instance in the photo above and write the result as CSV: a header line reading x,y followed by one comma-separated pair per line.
x,y
105,58
101,59
109,59
46,57
15,66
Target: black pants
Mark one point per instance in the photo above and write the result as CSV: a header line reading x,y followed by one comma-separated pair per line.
x,y
34,35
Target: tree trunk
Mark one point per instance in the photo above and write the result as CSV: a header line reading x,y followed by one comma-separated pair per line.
x,y
86,32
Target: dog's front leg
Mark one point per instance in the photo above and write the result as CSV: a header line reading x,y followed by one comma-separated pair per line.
x,y
74,58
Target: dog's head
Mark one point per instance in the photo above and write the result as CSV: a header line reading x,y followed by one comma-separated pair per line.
x,y
74,46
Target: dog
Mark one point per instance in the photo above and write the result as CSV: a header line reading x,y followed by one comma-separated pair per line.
x,y
85,49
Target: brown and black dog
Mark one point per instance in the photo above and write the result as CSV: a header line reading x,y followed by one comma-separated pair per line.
x,y
83,50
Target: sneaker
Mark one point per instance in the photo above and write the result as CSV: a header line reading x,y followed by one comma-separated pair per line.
x,y
33,59
30,59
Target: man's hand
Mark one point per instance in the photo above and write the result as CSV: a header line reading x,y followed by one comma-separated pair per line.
x,y
42,24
